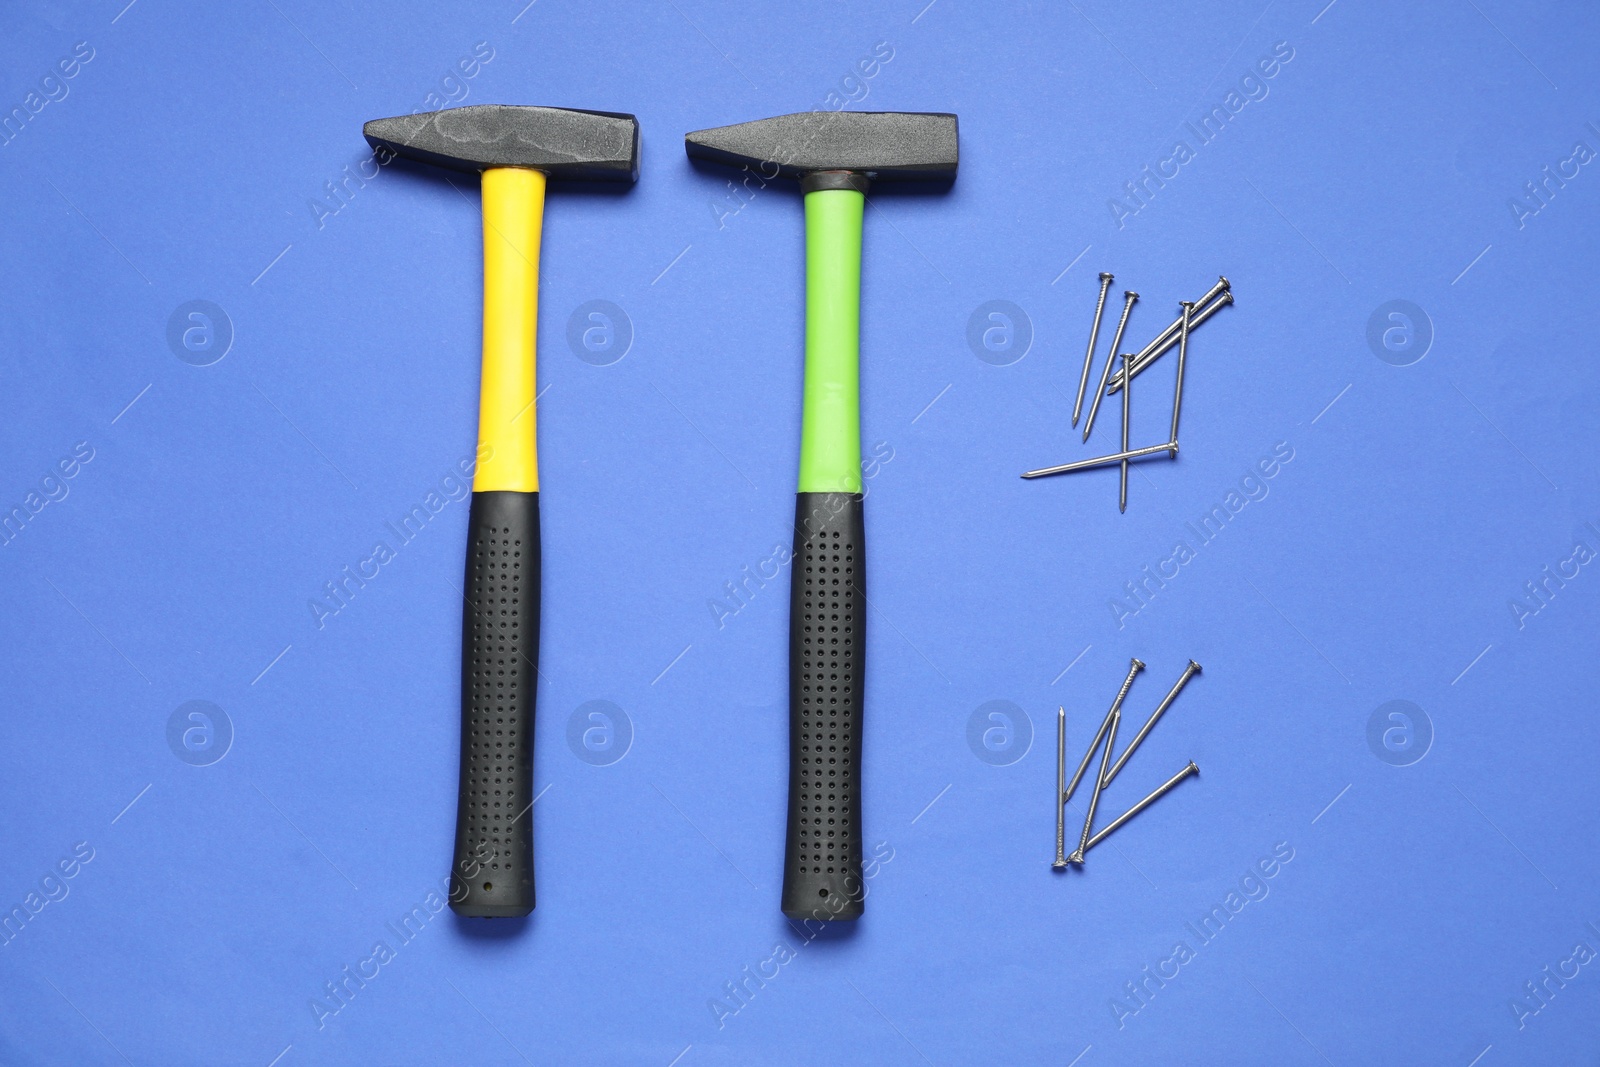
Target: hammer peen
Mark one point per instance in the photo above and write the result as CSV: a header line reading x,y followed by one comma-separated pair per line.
x,y
517,150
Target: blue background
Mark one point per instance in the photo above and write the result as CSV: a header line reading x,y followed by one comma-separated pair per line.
x,y
1380,565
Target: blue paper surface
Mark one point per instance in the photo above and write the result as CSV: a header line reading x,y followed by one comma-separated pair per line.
x,y
235,351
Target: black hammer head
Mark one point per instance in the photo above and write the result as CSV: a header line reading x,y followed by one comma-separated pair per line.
x,y
882,145
561,142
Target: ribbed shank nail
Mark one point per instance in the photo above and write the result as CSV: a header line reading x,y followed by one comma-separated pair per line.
x,y
1116,346
1134,667
1094,334
1099,735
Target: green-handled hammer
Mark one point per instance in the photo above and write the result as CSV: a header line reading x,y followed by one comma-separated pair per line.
x,y
836,156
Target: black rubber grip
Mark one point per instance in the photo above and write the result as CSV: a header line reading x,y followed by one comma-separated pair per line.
x,y
493,871
822,876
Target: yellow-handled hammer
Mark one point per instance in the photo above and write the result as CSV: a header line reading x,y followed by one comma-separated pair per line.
x,y
518,150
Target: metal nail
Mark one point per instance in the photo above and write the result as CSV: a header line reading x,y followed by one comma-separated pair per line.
x,y
1099,735
1094,334
1222,286
1171,332
1183,352
1159,347
1161,709
1135,666
1161,791
1061,788
1156,350
1127,399
1116,345
1099,784
1102,461
1094,746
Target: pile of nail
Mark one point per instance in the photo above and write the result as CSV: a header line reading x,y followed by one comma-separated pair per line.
x,y
1104,742
1191,313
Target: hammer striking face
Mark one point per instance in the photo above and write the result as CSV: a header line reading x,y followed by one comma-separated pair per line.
x,y
517,149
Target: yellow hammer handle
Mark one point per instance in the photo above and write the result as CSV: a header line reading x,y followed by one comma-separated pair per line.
x,y
513,219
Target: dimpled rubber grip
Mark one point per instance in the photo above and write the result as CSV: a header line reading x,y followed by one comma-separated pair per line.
x,y
492,875
827,640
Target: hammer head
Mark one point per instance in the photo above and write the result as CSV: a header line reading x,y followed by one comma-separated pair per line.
x,y
883,145
562,142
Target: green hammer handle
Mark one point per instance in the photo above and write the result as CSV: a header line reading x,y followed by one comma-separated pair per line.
x,y
827,604
830,427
